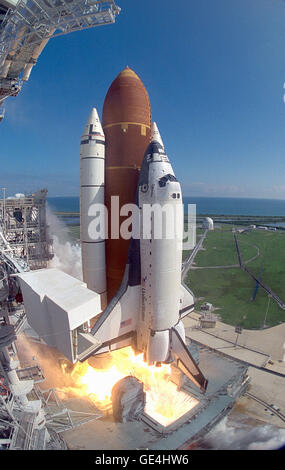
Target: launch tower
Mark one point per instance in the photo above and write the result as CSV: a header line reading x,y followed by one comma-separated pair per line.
x,y
27,25
24,229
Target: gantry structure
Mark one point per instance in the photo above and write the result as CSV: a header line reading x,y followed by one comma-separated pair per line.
x,y
27,25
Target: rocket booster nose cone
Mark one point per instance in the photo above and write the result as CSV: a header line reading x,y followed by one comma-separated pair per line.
x,y
93,124
155,134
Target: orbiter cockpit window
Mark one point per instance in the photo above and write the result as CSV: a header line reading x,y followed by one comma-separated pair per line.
x,y
162,182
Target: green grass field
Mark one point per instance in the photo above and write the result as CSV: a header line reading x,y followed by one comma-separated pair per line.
x,y
272,258
231,289
220,249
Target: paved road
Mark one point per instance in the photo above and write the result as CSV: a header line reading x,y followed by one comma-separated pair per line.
x,y
188,262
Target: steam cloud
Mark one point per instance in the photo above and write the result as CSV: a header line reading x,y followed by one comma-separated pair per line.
x,y
67,256
235,434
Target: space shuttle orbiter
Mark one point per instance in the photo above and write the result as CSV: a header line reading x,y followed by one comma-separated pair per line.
x,y
147,310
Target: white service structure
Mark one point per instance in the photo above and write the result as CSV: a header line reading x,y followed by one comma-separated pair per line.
x,y
59,308
92,193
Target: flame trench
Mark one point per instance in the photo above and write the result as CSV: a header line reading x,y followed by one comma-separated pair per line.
x,y
164,402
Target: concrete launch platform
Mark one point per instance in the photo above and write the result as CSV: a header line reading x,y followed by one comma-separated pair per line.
x,y
227,381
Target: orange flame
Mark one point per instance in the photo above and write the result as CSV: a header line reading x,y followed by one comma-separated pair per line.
x,y
163,402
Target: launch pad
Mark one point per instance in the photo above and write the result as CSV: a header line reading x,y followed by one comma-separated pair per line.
x,y
227,381
81,424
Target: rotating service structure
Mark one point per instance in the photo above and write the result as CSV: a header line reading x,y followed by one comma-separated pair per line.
x,y
27,25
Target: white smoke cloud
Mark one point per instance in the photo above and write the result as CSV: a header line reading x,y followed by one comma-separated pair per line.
x,y
67,256
234,434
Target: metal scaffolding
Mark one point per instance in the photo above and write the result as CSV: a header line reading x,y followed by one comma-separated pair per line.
x,y
25,230
26,28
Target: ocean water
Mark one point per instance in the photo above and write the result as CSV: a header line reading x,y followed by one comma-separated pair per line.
x,y
64,204
204,205
237,206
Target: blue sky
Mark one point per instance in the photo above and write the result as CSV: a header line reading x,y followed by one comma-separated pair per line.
x,y
214,71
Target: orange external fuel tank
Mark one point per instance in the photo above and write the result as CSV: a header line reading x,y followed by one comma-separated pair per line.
x,y
126,123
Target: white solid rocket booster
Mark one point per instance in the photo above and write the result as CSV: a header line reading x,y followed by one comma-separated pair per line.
x,y
92,177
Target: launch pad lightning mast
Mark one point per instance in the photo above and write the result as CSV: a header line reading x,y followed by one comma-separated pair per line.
x,y
27,26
